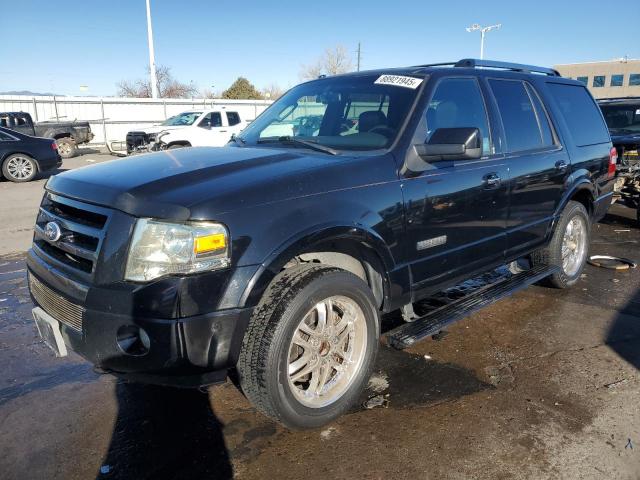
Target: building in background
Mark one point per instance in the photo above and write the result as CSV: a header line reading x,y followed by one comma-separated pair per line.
x,y
610,79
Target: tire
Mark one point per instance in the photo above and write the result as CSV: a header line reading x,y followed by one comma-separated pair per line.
x,y
552,254
67,147
269,350
19,168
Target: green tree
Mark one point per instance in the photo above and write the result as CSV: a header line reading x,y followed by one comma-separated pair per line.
x,y
242,89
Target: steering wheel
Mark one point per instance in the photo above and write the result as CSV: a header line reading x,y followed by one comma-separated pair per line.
x,y
383,130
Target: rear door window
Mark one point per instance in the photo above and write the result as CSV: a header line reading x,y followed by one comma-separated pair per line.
x,y
233,118
519,118
581,114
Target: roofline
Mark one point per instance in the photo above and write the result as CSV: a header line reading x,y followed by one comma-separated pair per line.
x,y
615,60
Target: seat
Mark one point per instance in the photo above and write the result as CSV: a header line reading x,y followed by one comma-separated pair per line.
x,y
370,119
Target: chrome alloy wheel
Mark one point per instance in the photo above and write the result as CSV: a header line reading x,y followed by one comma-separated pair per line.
x,y
20,167
64,148
574,245
327,351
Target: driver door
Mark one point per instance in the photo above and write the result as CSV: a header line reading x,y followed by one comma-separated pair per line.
x,y
210,131
456,210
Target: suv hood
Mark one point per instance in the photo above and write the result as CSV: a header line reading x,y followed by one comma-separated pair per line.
x,y
199,182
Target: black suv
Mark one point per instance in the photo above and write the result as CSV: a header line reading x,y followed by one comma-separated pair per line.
x,y
276,255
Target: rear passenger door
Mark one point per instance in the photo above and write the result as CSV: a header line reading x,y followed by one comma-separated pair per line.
x,y
456,211
538,164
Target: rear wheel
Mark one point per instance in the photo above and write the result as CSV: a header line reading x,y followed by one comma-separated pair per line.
x,y
569,246
19,168
67,147
310,346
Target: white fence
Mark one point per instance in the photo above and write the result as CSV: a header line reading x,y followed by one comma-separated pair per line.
x,y
111,118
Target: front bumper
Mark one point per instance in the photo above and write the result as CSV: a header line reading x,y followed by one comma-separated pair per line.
x,y
187,350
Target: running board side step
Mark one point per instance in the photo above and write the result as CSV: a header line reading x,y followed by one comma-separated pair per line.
x,y
407,334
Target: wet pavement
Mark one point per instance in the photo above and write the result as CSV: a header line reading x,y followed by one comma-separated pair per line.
x,y
541,385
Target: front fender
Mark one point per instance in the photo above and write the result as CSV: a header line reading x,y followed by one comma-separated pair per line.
x,y
306,241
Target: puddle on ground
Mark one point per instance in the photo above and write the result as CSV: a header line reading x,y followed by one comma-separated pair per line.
x,y
412,381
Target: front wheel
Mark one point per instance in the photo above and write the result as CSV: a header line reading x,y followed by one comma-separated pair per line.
x,y
310,346
569,246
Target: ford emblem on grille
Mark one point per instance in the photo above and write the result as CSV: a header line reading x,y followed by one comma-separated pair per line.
x,y
52,231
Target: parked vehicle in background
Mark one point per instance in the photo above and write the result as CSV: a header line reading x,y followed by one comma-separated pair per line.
x,y
22,157
623,119
277,255
197,128
68,135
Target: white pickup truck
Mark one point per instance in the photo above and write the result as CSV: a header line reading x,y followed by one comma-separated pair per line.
x,y
194,128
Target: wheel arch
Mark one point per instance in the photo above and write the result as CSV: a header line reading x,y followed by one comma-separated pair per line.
x,y
354,249
582,192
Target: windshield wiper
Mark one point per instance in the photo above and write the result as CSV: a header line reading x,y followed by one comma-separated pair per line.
x,y
304,143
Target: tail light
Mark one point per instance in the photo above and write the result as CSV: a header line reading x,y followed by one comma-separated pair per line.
x,y
54,145
613,159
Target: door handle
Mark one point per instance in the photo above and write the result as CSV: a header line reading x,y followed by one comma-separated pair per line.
x,y
561,165
222,131
492,181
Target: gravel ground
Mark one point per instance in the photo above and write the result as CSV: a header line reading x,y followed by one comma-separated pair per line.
x,y
541,385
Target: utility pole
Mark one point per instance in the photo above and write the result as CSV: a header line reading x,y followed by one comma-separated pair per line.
x,y
359,52
152,58
483,31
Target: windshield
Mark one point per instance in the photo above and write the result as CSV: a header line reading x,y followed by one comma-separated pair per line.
x,y
622,119
364,112
184,118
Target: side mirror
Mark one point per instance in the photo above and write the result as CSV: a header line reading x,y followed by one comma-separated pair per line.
x,y
463,143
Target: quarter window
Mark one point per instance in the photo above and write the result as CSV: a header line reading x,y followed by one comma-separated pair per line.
x,y
457,103
521,123
634,79
6,138
584,80
598,81
616,80
581,114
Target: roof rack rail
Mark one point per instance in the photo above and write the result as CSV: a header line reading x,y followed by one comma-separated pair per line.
x,y
516,67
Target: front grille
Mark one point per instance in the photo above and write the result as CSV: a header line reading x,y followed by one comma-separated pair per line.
x,y
82,228
56,305
137,141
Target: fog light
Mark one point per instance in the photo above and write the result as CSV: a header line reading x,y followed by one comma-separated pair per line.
x,y
133,340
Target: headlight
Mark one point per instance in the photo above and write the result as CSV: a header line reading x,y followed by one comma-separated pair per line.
x,y
159,248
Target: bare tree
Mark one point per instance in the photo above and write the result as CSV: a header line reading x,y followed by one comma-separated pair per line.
x,y
332,62
168,86
272,92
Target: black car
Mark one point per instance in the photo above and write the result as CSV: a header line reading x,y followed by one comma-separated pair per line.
x,y
22,156
623,119
276,256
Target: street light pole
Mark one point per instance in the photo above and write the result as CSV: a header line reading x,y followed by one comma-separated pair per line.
x,y
483,32
152,59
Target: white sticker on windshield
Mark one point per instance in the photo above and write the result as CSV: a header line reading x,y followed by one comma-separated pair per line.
x,y
399,81
638,111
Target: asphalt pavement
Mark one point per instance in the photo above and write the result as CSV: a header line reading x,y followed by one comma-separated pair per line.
x,y
544,384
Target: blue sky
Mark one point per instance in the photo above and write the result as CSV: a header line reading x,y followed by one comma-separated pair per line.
x,y
211,42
